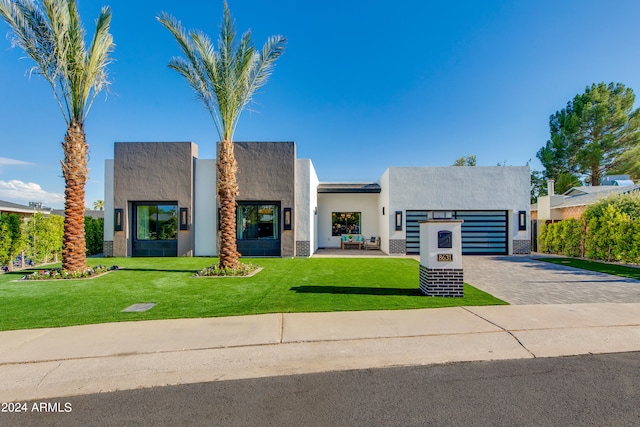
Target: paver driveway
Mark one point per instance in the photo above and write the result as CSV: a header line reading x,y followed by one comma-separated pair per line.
x,y
525,280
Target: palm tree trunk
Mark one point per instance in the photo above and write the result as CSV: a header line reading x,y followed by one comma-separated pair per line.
x,y
227,190
74,171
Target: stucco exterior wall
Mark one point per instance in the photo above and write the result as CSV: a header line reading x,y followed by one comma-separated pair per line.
x,y
205,212
306,208
366,203
153,172
460,188
266,172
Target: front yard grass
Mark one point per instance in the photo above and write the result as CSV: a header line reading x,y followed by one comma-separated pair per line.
x,y
601,267
285,285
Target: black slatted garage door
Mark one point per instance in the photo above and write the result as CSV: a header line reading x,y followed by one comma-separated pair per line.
x,y
483,232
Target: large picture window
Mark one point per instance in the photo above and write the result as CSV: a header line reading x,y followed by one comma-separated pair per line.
x,y
257,221
156,222
345,223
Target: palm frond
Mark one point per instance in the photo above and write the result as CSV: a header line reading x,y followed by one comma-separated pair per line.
x,y
54,39
224,79
95,76
198,63
32,33
265,63
75,59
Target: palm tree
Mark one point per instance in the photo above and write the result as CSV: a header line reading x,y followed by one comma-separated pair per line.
x,y
54,38
225,81
98,205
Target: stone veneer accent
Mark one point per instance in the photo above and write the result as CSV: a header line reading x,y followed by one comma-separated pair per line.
x,y
441,282
397,246
521,247
107,248
303,248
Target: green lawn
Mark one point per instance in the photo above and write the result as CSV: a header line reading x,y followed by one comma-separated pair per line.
x,y
285,285
615,269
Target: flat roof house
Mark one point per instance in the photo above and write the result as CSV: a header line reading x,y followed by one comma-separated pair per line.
x,y
160,200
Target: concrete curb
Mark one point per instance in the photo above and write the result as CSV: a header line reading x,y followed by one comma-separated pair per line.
x,y
49,363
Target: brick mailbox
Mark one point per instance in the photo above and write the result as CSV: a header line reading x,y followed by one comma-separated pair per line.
x,y
441,258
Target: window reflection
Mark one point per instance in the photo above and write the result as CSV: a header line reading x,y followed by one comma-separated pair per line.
x,y
257,221
156,222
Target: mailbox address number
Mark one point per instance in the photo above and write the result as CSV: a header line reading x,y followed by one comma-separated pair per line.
x,y
445,257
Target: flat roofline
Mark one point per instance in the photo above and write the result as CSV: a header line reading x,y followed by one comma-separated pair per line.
x,y
349,187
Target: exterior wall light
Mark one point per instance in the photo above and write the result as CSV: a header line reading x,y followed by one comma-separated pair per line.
x,y
184,218
117,219
522,220
287,218
398,220
383,210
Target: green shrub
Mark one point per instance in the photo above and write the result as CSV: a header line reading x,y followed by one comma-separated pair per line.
x,y
543,237
571,232
608,230
94,234
44,237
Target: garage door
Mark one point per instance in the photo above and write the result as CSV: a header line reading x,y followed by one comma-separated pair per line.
x,y
483,232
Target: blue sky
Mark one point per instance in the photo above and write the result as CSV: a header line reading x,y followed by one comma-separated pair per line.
x,y
363,84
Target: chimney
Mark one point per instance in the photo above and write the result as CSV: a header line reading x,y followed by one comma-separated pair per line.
x,y
550,187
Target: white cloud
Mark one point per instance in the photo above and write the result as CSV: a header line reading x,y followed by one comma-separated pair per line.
x,y
4,161
25,192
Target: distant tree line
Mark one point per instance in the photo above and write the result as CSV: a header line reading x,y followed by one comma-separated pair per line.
x,y
608,230
38,239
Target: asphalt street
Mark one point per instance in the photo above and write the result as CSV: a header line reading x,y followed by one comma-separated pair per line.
x,y
600,390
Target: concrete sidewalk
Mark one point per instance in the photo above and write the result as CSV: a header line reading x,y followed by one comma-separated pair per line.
x,y
51,363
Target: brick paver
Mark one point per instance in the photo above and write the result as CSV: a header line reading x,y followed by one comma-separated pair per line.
x,y
525,280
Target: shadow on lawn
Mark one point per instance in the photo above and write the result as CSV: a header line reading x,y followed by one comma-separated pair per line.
x,y
352,290
164,270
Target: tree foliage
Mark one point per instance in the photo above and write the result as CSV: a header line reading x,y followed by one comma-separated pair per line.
x,y
466,161
591,135
98,205
40,237
628,163
44,237
13,239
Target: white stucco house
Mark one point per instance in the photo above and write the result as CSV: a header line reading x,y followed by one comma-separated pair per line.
x,y
160,199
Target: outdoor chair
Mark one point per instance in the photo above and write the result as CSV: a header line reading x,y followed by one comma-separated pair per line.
x,y
372,243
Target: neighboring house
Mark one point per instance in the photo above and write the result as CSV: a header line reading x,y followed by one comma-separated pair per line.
x,y
87,212
160,200
22,210
571,204
27,211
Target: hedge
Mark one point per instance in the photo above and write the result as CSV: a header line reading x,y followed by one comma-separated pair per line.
x,y
608,230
